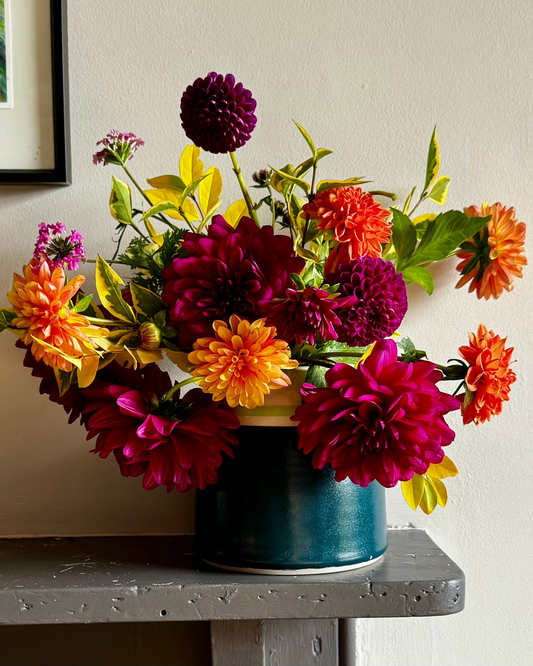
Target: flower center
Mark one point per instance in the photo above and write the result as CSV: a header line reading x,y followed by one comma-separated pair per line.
x,y
231,297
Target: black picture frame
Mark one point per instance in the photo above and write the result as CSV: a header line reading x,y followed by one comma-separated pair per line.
x,y
61,174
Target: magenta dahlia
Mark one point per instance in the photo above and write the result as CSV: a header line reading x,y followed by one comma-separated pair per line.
x,y
372,300
229,271
304,315
217,114
175,443
381,421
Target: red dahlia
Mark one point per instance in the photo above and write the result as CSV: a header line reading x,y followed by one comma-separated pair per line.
x,y
380,421
229,271
175,443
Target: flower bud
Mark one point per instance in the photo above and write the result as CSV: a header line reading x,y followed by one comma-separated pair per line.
x,y
150,335
261,177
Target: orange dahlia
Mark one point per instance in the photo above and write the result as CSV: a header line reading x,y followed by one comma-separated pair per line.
x,y
360,223
242,363
489,376
40,299
495,255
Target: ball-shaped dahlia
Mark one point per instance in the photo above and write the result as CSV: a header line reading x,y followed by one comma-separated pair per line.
x,y
494,257
229,271
382,421
177,443
489,375
305,315
217,114
360,223
372,300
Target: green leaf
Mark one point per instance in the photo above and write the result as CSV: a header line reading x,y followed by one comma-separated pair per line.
x,y
444,235
408,200
315,376
190,188
108,287
403,236
433,164
307,138
277,180
63,379
307,254
6,318
382,193
298,281
292,179
145,301
120,201
82,304
304,167
420,275
331,184
440,190
163,182
160,207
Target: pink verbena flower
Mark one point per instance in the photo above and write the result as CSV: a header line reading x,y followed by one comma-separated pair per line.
x,y
229,271
118,148
56,250
305,315
177,443
380,421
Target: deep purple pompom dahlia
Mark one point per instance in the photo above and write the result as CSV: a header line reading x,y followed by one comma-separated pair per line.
x,y
305,315
217,114
372,300
383,420
229,271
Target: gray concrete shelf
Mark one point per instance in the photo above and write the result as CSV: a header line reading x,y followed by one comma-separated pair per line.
x,y
158,579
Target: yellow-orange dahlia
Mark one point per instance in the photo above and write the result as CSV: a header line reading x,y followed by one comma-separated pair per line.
x,y
40,299
242,363
489,376
495,255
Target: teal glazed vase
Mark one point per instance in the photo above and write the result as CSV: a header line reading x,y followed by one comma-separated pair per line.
x,y
273,513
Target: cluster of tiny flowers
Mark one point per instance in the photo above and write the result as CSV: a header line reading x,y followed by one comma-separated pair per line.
x,y
118,148
56,250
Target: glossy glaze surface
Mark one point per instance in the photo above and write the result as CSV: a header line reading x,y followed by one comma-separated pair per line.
x,y
272,510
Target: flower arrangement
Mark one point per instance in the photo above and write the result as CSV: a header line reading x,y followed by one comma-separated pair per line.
x,y
238,303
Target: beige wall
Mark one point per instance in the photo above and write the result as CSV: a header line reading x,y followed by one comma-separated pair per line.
x,y
368,80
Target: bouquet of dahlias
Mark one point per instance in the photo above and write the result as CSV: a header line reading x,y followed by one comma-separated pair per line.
x,y
312,272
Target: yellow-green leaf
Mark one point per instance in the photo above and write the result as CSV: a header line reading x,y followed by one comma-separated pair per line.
x,y
307,138
439,191
307,254
161,207
108,285
235,212
324,185
428,502
6,318
408,201
413,490
76,362
63,379
191,166
145,301
190,189
162,182
277,178
208,216
157,238
88,370
174,197
210,189
292,179
444,469
440,489
120,201
433,164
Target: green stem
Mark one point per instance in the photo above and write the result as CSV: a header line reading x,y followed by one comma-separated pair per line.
x,y
305,229
272,207
247,198
109,322
312,361
202,216
177,387
340,354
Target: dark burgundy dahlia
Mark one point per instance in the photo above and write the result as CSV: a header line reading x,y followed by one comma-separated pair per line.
x,y
177,443
304,315
229,271
372,300
217,114
380,421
